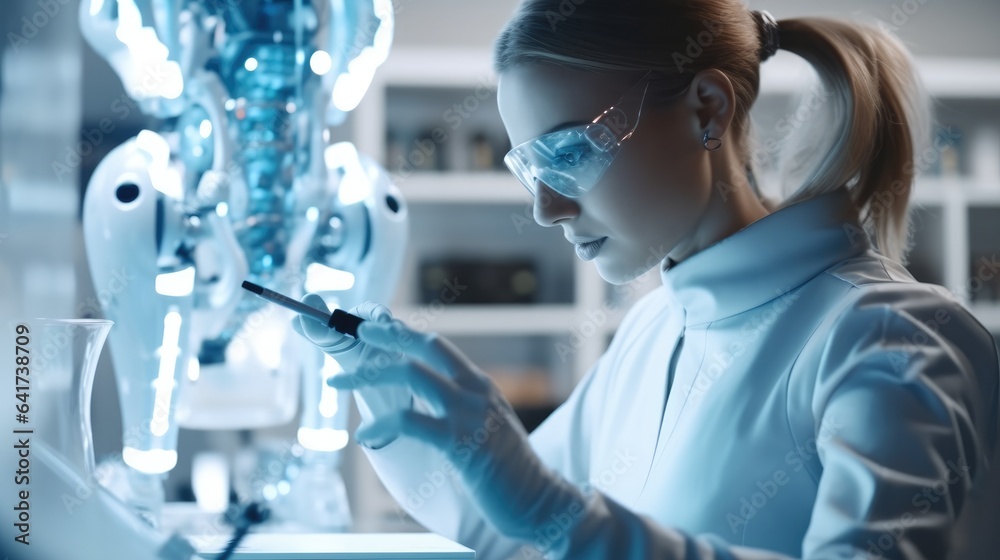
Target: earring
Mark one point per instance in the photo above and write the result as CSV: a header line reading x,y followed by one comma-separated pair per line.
x,y
711,144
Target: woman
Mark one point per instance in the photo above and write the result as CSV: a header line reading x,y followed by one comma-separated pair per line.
x,y
790,391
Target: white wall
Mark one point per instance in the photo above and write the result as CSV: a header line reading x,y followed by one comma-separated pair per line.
x,y
936,27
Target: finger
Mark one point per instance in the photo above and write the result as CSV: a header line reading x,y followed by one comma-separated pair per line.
x,y
383,430
315,300
372,311
436,389
314,330
297,323
429,348
327,339
317,333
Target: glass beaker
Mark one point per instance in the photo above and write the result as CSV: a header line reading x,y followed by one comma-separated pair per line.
x,y
63,356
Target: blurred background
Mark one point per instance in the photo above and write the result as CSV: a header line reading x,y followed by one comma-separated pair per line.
x,y
532,315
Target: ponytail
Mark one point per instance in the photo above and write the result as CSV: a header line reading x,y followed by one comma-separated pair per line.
x,y
879,119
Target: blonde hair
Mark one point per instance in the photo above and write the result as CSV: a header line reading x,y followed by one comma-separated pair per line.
x,y
877,112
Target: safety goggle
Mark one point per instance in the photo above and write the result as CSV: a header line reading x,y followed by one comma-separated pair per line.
x,y
572,160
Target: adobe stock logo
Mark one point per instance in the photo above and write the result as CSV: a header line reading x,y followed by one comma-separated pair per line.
x,y
695,45
31,25
566,9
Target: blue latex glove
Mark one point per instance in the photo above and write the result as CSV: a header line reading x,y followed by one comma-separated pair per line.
x,y
351,352
465,416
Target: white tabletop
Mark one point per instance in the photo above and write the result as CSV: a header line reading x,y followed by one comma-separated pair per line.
x,y
338,546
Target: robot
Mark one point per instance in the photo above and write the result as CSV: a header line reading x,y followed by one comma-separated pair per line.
x,y
241,181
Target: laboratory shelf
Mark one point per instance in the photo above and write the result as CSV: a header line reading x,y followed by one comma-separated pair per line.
x,y
939,190
988,314
491,319
944,77
484,187
981,195
960,78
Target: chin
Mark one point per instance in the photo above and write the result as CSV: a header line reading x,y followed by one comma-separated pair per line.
x,y
615,273
610,279
619,269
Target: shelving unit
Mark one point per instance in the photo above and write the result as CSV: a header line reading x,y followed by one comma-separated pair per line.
x,y
498,187
499,319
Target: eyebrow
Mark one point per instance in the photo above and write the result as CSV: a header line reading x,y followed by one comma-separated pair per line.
x,y
565,125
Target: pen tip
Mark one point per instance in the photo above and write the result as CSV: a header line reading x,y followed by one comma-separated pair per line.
x,y
253,287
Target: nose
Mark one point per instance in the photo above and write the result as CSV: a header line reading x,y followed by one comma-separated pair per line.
x,y
550,207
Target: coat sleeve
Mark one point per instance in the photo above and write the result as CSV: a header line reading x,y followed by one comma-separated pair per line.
x,y
918,410
426,486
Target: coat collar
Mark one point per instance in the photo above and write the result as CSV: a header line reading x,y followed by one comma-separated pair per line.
x,y
766,258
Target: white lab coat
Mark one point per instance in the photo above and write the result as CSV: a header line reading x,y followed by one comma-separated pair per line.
x,y
824,405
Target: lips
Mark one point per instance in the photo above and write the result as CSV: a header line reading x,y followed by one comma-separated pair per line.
x,y
583,240
588,251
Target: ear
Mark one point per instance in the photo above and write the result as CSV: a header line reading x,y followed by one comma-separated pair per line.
x,y
713,103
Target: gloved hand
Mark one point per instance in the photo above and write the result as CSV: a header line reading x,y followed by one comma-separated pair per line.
x,y
351,353
471,423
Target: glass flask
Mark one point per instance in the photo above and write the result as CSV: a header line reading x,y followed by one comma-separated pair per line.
x,y
63,359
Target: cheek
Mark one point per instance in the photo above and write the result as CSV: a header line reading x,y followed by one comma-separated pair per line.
x,y
647,195
670,161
